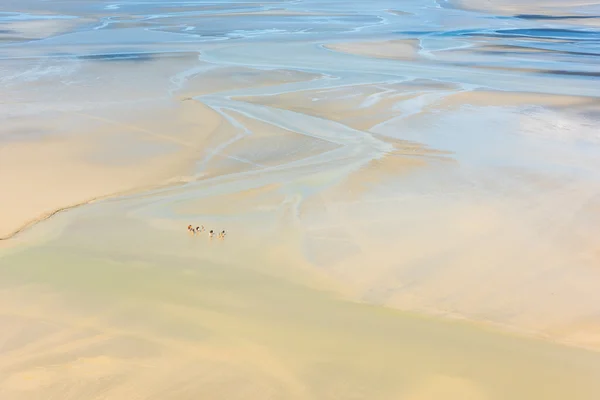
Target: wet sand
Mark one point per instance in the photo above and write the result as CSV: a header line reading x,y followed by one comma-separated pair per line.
x,y
547,9
106,317
410,193
394,49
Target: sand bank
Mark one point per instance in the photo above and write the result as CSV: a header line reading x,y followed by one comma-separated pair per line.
x,y
407,49
24,30
223,79
486,98
360,107
515,7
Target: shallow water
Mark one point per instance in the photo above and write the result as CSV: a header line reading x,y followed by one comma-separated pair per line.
x,y
455,174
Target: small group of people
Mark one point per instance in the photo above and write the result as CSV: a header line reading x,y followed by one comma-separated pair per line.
x,y
200,229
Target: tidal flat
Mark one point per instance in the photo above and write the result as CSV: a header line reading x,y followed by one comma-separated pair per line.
x,y
410,193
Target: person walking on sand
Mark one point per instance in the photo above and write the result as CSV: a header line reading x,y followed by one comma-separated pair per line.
x,y
190,229
222,235
211,234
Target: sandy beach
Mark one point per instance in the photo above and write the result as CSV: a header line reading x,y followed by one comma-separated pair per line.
x,y
410,193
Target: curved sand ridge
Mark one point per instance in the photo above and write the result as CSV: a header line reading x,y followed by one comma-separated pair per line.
x,y
362,161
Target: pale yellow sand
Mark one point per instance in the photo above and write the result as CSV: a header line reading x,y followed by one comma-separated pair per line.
x,y
457,260
68,157
160,146
360,107
115,300
189,318
366,106
510,258
115,155
265,145
485,98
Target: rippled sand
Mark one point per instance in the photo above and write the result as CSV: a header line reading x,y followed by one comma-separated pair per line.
x,y
411,195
